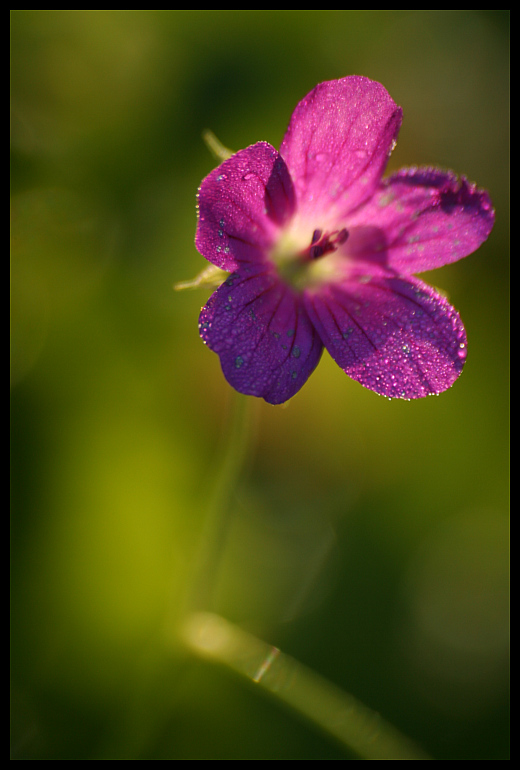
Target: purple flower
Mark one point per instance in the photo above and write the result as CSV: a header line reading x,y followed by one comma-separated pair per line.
x,y
321,253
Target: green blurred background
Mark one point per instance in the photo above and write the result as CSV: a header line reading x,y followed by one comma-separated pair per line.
x,y
369,537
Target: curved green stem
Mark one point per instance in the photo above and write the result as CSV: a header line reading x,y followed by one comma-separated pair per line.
x,y
211,636
336,712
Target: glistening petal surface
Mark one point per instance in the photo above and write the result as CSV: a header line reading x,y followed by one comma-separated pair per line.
x,y
262,334
241,205
323,253
337,145
420,219
395,336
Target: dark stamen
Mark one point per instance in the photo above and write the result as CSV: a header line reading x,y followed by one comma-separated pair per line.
x,y
324,244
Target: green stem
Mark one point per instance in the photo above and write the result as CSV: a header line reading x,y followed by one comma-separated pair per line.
x,y
219,515
325,705
216,147
211,636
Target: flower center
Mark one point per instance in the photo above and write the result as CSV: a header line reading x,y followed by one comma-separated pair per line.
x,y
305,268
323,244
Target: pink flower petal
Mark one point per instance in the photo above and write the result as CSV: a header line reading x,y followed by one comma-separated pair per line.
x,y
395,336
420,219
271,218
337,145
242,205
258,327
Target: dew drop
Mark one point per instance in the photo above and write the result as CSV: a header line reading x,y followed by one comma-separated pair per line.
x,y
238,362
296,351
385,199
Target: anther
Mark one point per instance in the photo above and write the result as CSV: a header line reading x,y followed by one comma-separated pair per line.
x,y
324,244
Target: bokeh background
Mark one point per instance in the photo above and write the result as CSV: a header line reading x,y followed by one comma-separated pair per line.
x,y
369,538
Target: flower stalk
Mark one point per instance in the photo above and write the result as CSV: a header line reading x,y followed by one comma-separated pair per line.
x,y
219,513
329,708
212,637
